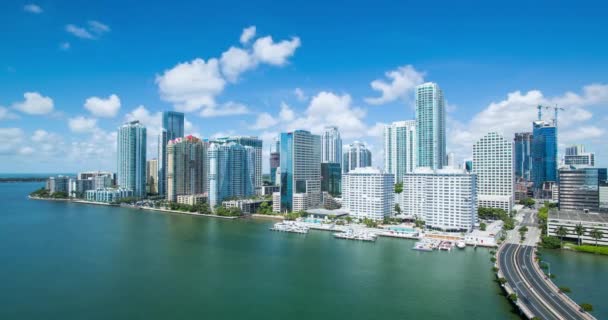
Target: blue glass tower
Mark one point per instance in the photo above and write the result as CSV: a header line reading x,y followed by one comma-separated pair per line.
x,y
544,153
172,128
523,155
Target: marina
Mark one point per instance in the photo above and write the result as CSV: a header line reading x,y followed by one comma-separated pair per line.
x,y
288,226
352,235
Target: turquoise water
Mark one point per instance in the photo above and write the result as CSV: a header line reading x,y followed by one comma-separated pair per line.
x,y
586,274
74,261
402,229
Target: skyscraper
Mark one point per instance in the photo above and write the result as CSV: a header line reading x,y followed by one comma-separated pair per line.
x,y
256,144
300,171
368,193
331,178
331,145
132,158
579,188
172,128
186,172
544,153
151,176
523,155
430,126
275,161
576,156
400,148
355,156
493,164
231,171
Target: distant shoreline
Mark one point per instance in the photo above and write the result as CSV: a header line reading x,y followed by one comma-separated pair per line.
x,y
22,179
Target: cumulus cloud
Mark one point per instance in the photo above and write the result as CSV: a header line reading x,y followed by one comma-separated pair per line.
x,y
35,104
300,94
248,34
195,85
286,113
264,120
10,140
100,107
403,80
32,8
5,114
82,124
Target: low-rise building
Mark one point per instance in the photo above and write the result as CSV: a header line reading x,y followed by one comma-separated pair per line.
x,y
247,206
579,188
331,203
570,219
192,199
108,195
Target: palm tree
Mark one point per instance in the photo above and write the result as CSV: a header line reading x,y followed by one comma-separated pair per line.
x,y
580,231
596,234
561,232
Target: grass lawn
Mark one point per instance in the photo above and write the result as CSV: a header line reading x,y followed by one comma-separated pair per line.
x,y
589,248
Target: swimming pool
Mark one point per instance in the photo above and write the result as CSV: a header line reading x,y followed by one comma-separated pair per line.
x,y
402,229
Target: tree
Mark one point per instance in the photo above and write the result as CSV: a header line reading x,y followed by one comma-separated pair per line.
x,y
549,242
596,235
527,202
264,208
398,187
482,226
586,307
513,297
561,232
397,208
580,231
502,280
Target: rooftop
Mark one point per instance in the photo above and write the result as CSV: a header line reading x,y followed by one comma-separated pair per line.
x,y
578,216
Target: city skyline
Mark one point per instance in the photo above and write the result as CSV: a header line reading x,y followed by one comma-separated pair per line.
x,y
65,109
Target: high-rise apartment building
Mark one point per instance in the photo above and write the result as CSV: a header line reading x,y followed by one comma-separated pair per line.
x,y
151,176
331,145
300,171
576,156
256,144
430,126
544,153
231,171
400,148
493,164
356,155
522,151
368,193
132,158
186,170
172,127
445,199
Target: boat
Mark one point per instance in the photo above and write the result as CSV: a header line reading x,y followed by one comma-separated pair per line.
x,y
351,235
461,245
289,227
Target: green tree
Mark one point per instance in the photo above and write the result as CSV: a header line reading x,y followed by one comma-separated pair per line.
x,y
482,226
397,208
549,242
513,297
561,232
528,202
398,187
596,235
580,231
502,280
586,307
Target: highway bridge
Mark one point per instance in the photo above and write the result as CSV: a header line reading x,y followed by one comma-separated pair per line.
x,y
537,296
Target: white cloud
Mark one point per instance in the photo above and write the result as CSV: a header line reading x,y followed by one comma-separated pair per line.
x,y
65,46
248,34
101,107
5,114
191,85
98,27
152,121
286,113
264,120
275,53
78,31
10,140
403,80
82,124
40,135
300,94
24,151
34,104
32,8
518,110
235,61
229,108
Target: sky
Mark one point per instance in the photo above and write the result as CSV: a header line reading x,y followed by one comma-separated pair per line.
x,y
71,72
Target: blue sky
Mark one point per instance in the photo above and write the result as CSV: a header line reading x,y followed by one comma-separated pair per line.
x,y
61,62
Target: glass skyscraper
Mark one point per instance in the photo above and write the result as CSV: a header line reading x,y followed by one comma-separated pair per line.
x,y
331,145
131,143
400,148
523,155
172,128
300,171
231,172
256,144
356,155
331,178
430,126
544,153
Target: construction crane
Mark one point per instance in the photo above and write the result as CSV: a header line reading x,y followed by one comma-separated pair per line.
x,y
555,109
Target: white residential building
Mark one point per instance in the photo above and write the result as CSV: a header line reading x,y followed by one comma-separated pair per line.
x,y
331,145
368,193
493,164
445,199
400,148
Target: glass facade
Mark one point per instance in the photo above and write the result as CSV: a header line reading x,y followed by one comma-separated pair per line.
x,y
523,155
231,172
430,126
579,188
172,128
331,178
300,171
544,153
132,158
